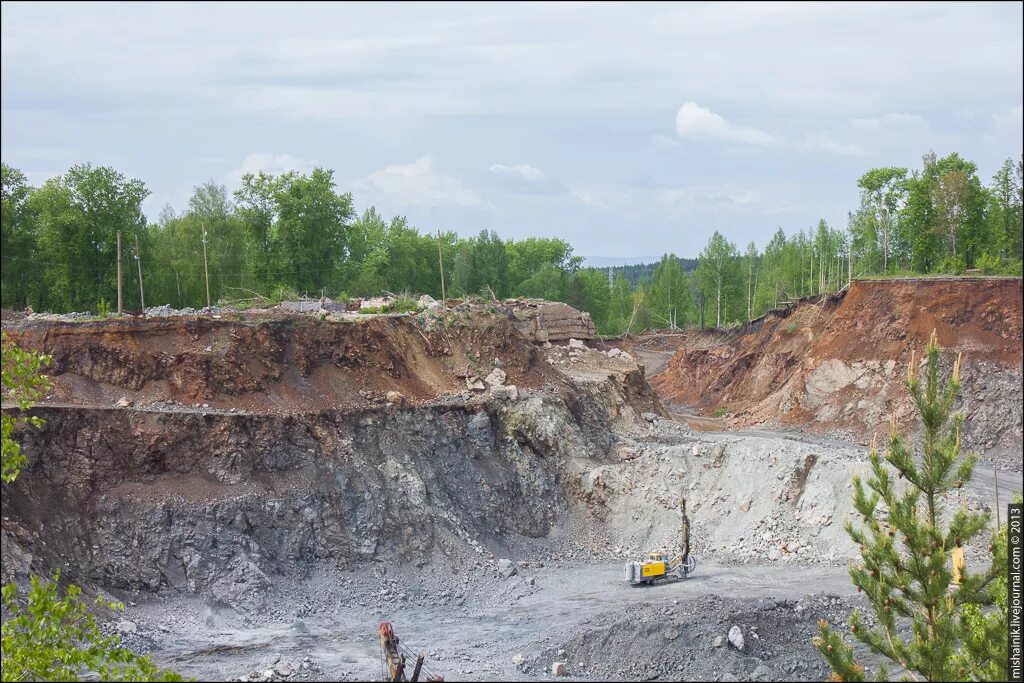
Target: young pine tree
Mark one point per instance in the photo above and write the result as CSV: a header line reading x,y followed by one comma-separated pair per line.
x,y
906,570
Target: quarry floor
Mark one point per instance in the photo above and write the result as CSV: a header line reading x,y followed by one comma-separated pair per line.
x,y
474,623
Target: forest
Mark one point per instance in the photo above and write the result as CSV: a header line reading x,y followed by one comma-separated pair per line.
x,y
292,234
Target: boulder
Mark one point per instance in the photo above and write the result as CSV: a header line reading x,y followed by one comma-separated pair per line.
x,y
428,302
559,669
474,383
577,344
395,397
244,587
496,378
543,321
123,402
719,640
736,638
509,393
507,568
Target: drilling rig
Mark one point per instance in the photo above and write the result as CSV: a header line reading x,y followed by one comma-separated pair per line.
x,y
660,565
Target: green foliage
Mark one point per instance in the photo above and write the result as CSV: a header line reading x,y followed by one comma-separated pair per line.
x,y
718,276
23,383
589,291
405,304
102,308
79,215
984,651
299,232
55,638
672,303
50,637
905,570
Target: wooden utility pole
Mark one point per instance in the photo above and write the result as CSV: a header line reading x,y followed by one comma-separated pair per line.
x,y
138,262
849,262
120,305
440,263
206,269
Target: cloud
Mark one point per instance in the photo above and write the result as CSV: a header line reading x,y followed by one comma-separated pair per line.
x,y
722,198
523,179
891,121
697,122
524,171
663,141
822,141
420,184
270,163
602,199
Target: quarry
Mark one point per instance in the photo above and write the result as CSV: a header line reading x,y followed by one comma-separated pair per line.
x,y
262,488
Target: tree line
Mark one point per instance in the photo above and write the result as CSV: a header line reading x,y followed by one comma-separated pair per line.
x,y
290,234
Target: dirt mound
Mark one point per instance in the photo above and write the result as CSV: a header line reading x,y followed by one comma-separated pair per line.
x,y
838,363
297,364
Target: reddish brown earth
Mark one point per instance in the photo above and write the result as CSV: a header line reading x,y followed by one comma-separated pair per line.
x,y
297,364
838,363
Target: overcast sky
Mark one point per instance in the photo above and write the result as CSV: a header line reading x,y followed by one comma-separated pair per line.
x,y
628,129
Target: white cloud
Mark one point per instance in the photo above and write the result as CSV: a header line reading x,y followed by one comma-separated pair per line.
x,y
695,121
824,142
722,198
270,163
891,121
602,199
524,171
421,184
663,141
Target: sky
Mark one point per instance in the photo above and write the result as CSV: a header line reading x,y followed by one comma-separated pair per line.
x,y
628,129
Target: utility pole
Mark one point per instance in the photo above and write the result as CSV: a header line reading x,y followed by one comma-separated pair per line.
x,y
119,299
849,262
138,262
206,270
440,262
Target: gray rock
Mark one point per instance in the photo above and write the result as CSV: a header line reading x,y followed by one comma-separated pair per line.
x,y
736,638
577,344
559,669
244,586
719,640
507,568
505,393
496,378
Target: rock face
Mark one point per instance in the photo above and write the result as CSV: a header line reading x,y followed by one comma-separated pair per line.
x,y
214,504
552,321
838,362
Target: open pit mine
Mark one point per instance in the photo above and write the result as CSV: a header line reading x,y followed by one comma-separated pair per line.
x,y
264,488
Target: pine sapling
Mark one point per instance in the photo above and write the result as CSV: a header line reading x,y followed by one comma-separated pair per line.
x,y
906,569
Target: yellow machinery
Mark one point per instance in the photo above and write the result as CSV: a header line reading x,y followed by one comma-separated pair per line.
x,y
660,565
